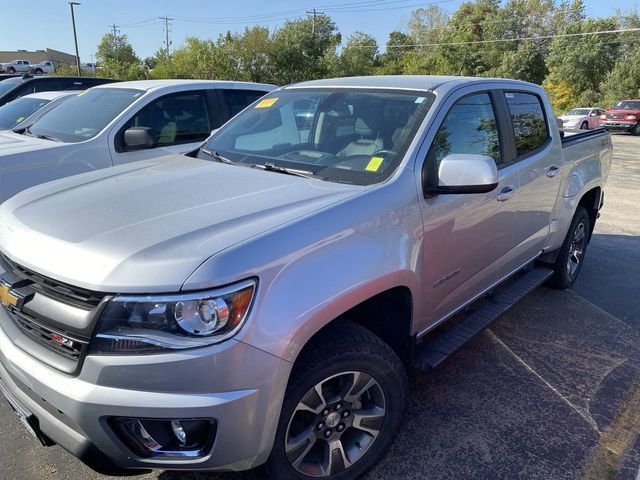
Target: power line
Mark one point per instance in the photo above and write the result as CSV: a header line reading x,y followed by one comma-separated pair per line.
x,y
502,40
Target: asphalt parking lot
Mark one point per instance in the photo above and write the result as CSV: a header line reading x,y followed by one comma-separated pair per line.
x,y
551,391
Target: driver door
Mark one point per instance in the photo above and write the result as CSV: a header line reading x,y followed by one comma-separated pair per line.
x,y
468,238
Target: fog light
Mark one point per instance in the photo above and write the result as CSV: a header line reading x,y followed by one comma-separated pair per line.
x,y
179,432
178,438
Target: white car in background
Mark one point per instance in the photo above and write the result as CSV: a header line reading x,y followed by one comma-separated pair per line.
x,y
582,118
15,66
43,67
26,110
119,123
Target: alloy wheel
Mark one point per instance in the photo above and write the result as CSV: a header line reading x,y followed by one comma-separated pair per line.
x,y
335,424
576,250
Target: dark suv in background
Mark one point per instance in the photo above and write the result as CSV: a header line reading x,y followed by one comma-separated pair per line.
x,y
13,88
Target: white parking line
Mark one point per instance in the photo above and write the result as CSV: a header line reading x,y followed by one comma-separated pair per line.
x,y
584,414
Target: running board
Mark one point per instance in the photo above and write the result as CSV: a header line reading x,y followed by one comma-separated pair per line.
x,y
431,353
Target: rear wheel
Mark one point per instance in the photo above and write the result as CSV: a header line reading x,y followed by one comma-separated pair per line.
x,y
584,126
38,70
11,70
571,255
342,408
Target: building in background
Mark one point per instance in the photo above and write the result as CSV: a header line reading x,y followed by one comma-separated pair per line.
x,y
56,56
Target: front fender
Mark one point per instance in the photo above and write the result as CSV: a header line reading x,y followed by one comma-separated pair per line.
x,y
315,269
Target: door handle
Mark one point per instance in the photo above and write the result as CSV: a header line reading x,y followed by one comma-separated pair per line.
x,y
505,194
552,171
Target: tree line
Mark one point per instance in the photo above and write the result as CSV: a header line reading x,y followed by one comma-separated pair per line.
x,y
540,41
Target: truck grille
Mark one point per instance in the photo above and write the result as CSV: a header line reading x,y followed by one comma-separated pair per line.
x,y
53,315
614,116
71,349
52,288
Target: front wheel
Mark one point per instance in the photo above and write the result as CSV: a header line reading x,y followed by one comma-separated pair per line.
x,y
571,255
11,70
636,130
39,71
342,408
584,126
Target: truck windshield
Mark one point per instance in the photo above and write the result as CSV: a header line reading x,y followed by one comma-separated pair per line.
x,y
8,84
354,136
628,105
85,115
12,113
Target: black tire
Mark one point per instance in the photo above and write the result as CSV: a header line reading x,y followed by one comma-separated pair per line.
x,y
344,348
566,272
38,71
636,130
584,126
11,70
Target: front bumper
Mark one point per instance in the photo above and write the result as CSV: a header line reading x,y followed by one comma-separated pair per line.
x,y
618,125
237,385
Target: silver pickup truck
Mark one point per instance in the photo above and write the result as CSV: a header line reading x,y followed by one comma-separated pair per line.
x,y
259,301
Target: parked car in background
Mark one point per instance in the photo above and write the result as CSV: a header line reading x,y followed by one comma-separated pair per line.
x,y
89,67
43,67
583,118
623,117
262,302
16,66
29,108
119,123
13,88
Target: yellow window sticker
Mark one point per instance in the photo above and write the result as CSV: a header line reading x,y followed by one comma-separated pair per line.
x,y
266,103
19,119
374,164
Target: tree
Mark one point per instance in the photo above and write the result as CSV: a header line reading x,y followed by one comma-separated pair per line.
x,y
200,59
254,51
392,60
623,81
117,58
303,49
359,55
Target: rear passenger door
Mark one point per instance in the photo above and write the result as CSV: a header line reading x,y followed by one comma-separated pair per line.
x,y
539,160
180,122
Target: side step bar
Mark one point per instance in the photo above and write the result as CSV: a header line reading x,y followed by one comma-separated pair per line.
x,y
431,353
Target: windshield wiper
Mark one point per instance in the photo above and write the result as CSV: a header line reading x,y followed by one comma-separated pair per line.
x,y
47,137
272,167
217,156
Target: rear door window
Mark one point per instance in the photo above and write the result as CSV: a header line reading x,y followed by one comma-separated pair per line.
x,y
529,123
237,100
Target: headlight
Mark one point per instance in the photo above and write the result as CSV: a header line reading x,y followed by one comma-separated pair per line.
x,y
155,323
631,117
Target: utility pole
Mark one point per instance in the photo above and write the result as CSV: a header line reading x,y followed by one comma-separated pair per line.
x,y
167,31
75,37
115,39
314,13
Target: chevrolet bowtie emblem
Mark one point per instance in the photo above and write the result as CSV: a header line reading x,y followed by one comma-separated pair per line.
x,y
8,299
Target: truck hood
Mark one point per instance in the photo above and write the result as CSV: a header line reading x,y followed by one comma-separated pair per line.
x,y
623,113
11,143
147,226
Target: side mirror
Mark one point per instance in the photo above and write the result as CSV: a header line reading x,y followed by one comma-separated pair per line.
x,y
466,173
593,114
139,138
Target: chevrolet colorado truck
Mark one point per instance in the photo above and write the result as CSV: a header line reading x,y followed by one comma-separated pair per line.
x,y
258,301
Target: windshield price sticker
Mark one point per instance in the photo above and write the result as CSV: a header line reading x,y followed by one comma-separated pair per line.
x,y
266,103
374,164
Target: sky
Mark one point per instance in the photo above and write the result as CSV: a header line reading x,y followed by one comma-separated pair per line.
x,y
41,24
